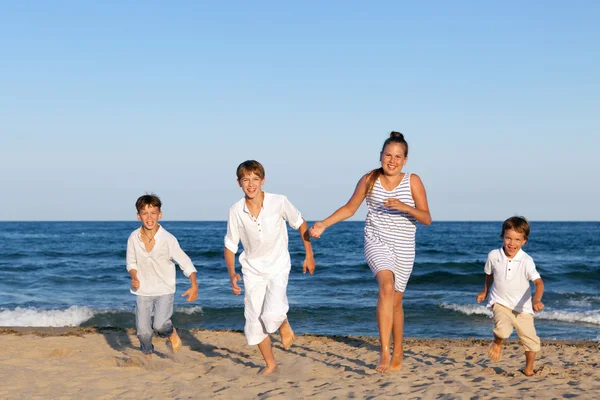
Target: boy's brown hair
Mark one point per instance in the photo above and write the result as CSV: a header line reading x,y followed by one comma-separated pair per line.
x,y
148,200
248,167
517,224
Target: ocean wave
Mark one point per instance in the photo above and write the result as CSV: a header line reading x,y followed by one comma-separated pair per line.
x,y
468,309
72,316
585,317
190,310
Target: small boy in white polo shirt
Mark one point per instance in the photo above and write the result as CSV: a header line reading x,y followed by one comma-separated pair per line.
x,y
508,272
258,221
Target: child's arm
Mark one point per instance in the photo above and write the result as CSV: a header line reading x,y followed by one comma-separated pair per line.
x,y
489,279
192,292
537,297
186,265
135,282
309,260
345,211
131,263
421,209
233,277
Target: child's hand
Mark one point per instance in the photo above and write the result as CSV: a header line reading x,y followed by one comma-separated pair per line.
x,y
317,229
309,265
135,282
191,293
395,204
481,297
537,306
234,286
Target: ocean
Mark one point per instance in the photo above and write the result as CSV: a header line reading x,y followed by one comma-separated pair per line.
x,y
73,274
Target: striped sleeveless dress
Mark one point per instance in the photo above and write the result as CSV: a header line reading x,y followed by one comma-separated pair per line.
x,y
390,234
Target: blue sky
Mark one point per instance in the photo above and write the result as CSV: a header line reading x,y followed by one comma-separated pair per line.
x,y
101,102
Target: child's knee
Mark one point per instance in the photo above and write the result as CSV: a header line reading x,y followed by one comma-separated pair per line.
x,y
164,330
503,331
272,320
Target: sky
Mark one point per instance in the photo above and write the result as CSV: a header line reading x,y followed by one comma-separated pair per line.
x,y
101,102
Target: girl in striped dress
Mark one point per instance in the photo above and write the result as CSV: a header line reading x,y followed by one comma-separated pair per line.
x,y
395,201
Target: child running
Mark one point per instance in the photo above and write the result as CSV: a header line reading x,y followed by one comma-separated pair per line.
x,y
395,201
258,221
150,254
508,272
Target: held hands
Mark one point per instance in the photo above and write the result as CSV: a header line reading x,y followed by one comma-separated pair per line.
x,y
316,230
234,286
537,306
309,265
191,293
481,297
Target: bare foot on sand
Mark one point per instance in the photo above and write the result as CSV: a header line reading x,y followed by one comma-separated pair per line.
x,y
495,352
287,334
268,370
528,372
396,364
384,361
175,341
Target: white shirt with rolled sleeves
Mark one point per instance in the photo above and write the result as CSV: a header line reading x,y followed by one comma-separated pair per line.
x,y
156,270
511,286
264,239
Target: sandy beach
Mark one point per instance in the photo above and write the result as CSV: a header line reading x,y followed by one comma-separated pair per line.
x,y
89,363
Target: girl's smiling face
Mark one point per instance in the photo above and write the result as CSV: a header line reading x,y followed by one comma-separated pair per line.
x,y
393,158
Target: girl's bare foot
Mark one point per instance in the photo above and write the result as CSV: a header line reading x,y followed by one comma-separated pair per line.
x,y
384,361
495,352
268,370
175,341
287,334
396,364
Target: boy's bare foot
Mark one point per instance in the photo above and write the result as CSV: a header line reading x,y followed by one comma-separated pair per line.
x,y
175,341
384,361
528,372
287,334
495,351
268,370
396,364
148,357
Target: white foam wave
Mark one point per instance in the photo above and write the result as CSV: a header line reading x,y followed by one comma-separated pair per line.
x,y
587,317
72,316
189,310
468,309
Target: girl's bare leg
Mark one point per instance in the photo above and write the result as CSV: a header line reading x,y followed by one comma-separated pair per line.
x,y
398,333
385,316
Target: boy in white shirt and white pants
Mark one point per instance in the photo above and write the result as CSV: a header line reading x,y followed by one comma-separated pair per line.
x,y
508,273
259,221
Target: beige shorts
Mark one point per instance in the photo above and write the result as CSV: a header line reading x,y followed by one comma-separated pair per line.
x,y
504,321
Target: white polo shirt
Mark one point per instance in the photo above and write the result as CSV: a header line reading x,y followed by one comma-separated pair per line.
x,y
511,286
156,270
264,239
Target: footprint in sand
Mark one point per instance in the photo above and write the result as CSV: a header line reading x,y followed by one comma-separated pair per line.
x,y
60,353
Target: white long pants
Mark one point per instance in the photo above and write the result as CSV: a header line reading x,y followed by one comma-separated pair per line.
x,y
265,304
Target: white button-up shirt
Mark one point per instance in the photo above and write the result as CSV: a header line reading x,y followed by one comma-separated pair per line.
x,y
511,286
265,238
156,270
